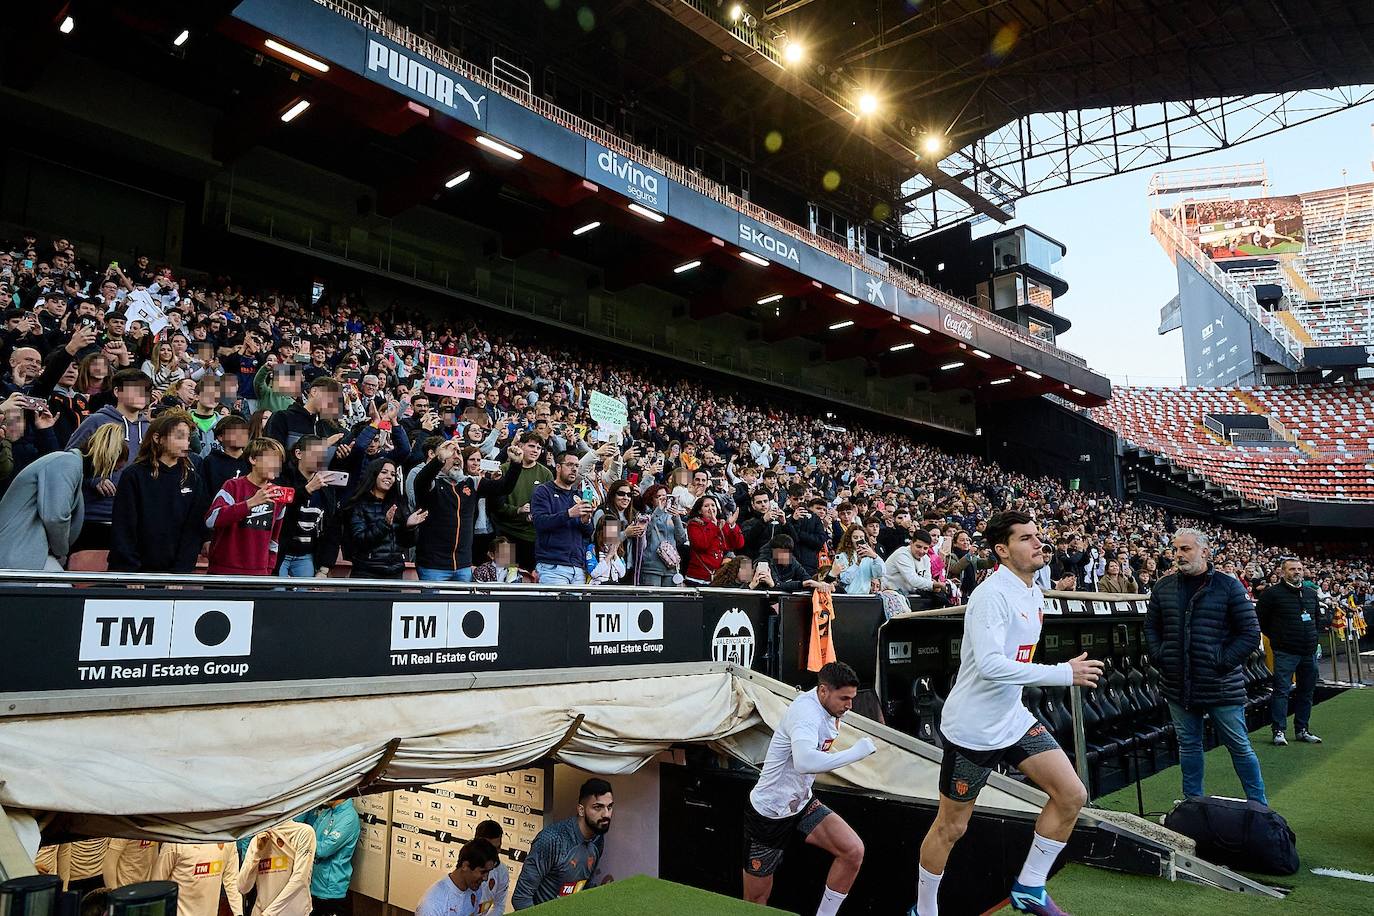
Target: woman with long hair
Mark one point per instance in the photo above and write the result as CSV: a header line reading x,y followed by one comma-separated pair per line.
x,y
43,509
856,563
376,529
660,565
742,572
158,523
93,379
257,423
162,367
711,537
619,505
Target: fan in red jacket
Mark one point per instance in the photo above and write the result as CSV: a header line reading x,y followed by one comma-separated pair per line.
x,y
246,515
710,538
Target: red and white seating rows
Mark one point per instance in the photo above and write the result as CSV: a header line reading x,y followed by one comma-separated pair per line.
x,y
1336,420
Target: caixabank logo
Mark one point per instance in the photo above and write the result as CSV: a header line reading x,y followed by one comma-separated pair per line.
x,y
145,640
625,627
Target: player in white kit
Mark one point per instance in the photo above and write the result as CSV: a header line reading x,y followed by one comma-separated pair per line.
x,y
985,723
782,802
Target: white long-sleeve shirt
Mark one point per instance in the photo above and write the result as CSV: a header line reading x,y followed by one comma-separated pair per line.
x,y
199,871
984,711
799,749
280,861
907,574
129,862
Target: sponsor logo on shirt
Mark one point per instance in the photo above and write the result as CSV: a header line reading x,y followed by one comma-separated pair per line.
x,y
825,745
208,868
273,864
1025,653
571,887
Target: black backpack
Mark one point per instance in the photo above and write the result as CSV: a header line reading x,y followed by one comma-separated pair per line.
x,y
1238,834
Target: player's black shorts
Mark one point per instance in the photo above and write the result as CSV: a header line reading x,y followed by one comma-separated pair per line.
x,y
766,837
963,772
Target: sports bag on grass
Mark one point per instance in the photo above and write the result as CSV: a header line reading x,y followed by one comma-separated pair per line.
x,y
1237,833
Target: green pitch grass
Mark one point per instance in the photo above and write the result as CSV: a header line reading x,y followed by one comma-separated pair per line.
x,y
641,896
1321,790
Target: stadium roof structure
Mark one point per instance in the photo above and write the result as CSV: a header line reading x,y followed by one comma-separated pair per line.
x,y
1020,96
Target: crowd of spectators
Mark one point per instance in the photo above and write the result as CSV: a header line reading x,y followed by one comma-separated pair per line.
x,y
260,433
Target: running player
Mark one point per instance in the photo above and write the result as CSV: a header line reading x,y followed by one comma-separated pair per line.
x,y
782,801
985,723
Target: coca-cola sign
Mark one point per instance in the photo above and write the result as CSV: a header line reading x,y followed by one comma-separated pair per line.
x,y
959,327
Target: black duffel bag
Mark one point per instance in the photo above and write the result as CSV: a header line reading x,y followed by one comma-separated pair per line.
x,y
1238,834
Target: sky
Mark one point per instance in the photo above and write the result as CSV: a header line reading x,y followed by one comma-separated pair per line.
x,y
1119,277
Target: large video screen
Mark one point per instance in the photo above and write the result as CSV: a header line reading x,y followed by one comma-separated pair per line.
x,y
1257,227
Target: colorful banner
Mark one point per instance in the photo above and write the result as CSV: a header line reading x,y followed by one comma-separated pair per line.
x,y
451,375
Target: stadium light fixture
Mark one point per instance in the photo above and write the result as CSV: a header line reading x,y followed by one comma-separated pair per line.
x,y
901,346
646,213
295,111
920,330
683,268
1078,391
753,258
868,103
933,144
583,230
67,25
496,146
314,64
773,298
846,298
947,367
458,179
793,52
999,381
840,325
1032,373
736,12
981,355
181,39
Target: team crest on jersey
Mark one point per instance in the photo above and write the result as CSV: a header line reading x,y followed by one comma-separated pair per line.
x,y
756,864
960,787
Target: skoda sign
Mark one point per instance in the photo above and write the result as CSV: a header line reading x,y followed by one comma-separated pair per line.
x,y
625,176
770,242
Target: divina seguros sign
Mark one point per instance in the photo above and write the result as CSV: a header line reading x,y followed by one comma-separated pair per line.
x,y
625,176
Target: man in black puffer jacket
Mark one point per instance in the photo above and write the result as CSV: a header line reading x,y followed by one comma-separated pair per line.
x,y
1288,616
1201,627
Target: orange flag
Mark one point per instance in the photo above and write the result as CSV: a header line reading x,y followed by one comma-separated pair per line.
x,y
821,650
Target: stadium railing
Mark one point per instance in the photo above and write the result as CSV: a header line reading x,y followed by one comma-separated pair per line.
x,y
679,173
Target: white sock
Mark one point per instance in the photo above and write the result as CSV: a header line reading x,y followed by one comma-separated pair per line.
x,y
927,893
1039,861
830,902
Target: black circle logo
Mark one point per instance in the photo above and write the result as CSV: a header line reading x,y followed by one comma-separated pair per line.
x,y
473,624
212,628
645,621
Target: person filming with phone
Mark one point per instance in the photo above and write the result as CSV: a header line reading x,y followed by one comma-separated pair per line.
x,y
309,533
246,515
451,486
562,519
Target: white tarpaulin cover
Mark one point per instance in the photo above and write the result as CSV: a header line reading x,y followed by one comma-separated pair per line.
x,y
192,774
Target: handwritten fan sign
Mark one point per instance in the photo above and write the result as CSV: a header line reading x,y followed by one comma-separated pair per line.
x,y
611,414
451,375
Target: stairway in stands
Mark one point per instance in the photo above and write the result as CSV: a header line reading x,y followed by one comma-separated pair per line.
x,y
1299,281
1291,322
